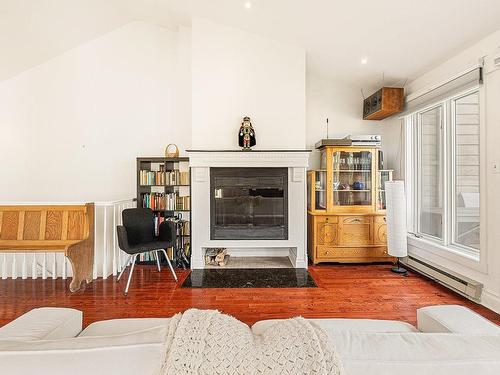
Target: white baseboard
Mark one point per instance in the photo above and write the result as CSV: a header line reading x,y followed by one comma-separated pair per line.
x,y
197,264
491,301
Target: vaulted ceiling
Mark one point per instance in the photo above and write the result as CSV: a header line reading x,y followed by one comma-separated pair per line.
x,y
398,38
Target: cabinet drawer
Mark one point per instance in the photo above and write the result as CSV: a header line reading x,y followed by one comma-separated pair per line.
x,y
325,252
351,254
355,231
327,219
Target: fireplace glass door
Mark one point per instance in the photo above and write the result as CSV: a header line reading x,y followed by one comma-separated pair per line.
x,y
249,203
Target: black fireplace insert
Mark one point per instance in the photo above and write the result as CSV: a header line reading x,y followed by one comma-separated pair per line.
x,y
249,203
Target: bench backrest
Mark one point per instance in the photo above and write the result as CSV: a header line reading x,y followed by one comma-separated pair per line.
x,y
44,223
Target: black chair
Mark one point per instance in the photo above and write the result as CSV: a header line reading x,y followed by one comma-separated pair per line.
x,y
137,236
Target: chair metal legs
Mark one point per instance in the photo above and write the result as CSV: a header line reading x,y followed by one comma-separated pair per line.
x,y
169,264
158,260
133,258
131,272
123,269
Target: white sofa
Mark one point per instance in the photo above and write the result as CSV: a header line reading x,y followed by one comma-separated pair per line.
x,y
449,340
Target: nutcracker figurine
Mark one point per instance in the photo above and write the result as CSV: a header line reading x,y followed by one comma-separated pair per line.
x,y
246,135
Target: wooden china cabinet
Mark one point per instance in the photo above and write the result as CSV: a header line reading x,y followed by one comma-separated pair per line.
x,y
346,207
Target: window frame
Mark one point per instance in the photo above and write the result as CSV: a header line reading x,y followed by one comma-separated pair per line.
x,y
474,258
452,229
419,168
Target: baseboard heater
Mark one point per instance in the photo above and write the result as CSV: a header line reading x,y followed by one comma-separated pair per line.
x,y
467,287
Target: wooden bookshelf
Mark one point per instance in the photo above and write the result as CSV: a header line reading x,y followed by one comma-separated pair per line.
x,y
164,185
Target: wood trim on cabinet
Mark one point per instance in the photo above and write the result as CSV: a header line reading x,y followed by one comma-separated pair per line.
x,y
329,180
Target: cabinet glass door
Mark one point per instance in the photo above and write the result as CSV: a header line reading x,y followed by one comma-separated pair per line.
x,y
323,159
320,190
383,177
352,178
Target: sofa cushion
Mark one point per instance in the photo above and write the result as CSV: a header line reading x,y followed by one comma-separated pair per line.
x,y
46,323
417,353
141,352
354,325
122,326
454,318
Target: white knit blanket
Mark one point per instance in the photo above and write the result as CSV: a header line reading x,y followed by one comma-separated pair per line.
x,y
209,342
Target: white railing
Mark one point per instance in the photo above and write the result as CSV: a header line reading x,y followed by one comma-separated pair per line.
x,y
108,258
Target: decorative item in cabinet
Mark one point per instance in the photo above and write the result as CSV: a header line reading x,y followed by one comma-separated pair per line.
x,y
352,177
346,220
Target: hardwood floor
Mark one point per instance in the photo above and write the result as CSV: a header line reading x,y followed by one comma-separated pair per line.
x,y
348,291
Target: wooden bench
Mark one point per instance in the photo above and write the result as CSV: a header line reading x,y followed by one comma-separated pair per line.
x,y
65,229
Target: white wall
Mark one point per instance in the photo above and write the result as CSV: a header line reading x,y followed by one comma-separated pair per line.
x,y
128,93
490,199
342,104
236,74
72,127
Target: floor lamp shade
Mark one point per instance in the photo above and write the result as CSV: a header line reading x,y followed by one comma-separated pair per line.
x,y
396,219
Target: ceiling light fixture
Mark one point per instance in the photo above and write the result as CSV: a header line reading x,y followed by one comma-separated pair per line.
x,y
248,5
364,61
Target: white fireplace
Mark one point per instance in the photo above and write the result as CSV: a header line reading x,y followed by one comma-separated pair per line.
x,y
293,245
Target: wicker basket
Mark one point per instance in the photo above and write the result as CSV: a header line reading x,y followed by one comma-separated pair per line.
x,y
171,154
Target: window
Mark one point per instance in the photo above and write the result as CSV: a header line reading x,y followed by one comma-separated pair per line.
x,y
465,212
444,172
430,192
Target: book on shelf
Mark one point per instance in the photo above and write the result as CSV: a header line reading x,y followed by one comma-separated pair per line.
x,y
150,178
151,256
158,219
177,178
182,203
181,229
185,231
160,177
165,201
147,257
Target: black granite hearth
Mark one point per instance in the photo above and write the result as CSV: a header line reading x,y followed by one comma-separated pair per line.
x,y
250,278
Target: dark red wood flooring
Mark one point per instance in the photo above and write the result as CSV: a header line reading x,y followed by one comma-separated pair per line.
x,y
347,291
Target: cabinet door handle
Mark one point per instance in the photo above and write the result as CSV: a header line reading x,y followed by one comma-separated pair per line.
x,y
326,220
385,220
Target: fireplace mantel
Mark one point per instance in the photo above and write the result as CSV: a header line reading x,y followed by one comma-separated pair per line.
x,y
295,160
247,151
254,158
